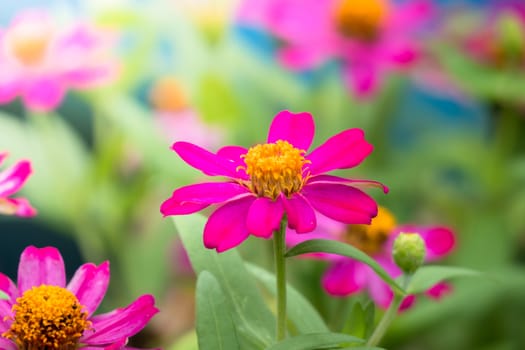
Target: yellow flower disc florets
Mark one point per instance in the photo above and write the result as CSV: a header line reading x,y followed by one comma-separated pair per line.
x,y
47,317
360,19
371,238
275,168
28,43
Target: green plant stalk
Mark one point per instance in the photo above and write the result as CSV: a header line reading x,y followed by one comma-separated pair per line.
x,y
389,315
280,273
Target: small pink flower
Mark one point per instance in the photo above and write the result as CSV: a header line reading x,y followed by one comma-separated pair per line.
x,y
42,312
177,120
40,61
346,276
369,37
11,180
275,178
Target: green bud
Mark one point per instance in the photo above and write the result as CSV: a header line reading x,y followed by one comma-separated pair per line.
x,y
409,252
512,35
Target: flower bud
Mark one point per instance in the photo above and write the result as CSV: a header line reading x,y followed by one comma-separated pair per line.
x,y
409,252
512,36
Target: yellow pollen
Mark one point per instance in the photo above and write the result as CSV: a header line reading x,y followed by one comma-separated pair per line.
x,y
275,168
28,43
360,19
371,238
47,317
167,95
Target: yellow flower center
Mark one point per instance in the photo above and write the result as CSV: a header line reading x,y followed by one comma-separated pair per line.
x,y
28,42
275,168
371,238
47,317
168,95
360,19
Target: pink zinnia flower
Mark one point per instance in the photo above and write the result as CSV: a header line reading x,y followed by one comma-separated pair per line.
x,y
346,276
11,180
275,178
177,120
369,37
42,312
40,61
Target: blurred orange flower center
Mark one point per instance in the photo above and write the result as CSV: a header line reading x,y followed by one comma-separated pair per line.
x,y
275,168
371,238
360,19
29,43
47,317
167,95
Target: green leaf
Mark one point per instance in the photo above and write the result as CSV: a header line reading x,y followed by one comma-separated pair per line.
x,y
427,276
316,341
339,248
215,328
254,321
300,312
360,321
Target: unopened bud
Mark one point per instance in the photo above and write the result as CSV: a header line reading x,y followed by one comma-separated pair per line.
x,y
409,252
512,36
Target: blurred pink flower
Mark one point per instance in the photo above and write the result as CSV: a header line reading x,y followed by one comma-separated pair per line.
x,y
271,179
11,180
346,276
40,61
369,37
177,120
41,298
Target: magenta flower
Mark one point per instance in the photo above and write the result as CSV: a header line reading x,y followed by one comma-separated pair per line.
x,y
40,61
11,180
42,312
346,276
368,37
275,178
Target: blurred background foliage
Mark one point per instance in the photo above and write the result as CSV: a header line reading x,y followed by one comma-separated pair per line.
x,y
447,137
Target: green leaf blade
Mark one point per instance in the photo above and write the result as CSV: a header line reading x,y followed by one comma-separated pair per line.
x,y
316,341
339,248
428,276
215,327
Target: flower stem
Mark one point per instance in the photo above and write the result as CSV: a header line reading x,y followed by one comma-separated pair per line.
x,y
389,315
280,273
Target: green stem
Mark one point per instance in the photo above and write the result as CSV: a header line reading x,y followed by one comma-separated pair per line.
x,y
280,272
389,315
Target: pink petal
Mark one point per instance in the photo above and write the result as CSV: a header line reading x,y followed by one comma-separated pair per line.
x,y
379,291
300,214
342,203
331,179
410,16
362,78
439,242
439,290
7,344
234,154
205,161
6,315
407,303
89,284
121,323
9,88
44,94
226,227
12,179
264,217
344,277
192,198
302,57
8,287
344,150
296,128
40,266
19,207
